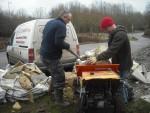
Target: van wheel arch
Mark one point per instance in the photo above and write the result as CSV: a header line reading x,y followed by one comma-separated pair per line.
x,y
9,62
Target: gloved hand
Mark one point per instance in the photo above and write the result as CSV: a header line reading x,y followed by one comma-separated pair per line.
x,y
91,60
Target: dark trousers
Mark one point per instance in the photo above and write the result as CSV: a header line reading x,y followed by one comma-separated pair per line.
x,y
126,89
125,74
57,73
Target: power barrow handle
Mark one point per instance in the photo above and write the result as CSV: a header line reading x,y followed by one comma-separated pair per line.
x,y
78,57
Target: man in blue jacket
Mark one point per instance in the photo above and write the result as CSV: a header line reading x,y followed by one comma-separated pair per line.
x,y
52,45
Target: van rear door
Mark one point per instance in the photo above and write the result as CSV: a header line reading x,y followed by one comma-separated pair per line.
x,y
21,46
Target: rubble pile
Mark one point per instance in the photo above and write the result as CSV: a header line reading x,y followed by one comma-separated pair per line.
x,y
142,84
22,82
27,82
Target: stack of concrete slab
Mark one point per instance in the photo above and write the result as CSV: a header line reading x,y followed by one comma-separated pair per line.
x,y
22,80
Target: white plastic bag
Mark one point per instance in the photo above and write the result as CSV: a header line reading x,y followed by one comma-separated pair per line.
x,y
140,73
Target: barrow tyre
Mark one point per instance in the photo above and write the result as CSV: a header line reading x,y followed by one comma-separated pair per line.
x,y
120,106
82,104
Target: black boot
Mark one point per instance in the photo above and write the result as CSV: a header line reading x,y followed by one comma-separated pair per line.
x,y
59,99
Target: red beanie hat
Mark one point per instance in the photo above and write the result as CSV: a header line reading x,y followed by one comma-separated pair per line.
x,y
106,22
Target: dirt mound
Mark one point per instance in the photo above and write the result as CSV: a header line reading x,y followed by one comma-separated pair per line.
x,y
143,57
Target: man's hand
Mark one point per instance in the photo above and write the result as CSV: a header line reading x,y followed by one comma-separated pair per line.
x,y
103,62
91,60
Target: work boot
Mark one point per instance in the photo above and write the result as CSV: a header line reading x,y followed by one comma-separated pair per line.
x,y
59,99
52,96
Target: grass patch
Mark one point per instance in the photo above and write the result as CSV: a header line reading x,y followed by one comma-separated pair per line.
x,y
139,106
44,105
41,105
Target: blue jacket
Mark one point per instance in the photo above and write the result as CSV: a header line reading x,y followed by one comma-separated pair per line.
x,y
53,42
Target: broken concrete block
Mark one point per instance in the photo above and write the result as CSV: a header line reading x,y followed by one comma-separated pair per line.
x,y
17,106
146,98
25,82
140,73
1,72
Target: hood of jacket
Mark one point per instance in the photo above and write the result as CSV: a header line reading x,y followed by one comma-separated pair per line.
x,y
119,28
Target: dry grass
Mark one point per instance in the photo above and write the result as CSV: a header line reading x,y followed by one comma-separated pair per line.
x,y
139,106
92,37
3,43
147,32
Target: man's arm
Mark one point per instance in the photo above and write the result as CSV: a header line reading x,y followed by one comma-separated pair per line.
x,y
117,42
60,35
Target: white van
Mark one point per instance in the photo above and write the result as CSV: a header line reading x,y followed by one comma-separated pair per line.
x,y
26,40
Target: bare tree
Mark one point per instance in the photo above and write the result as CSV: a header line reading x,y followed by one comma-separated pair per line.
x,y
147,15
85,19
40,13
21,13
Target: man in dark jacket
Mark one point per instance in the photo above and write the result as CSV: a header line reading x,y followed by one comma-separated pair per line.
x,y
52,45
119,51
118,46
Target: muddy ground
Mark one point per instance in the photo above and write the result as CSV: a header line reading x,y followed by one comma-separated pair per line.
x,y
44,105
142,57
140,89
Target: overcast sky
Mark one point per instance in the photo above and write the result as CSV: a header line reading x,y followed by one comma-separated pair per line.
x,y
31,5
